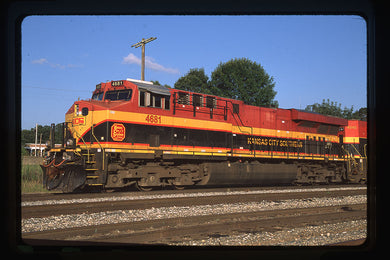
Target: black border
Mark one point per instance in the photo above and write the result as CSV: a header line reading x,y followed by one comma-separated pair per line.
x,y
12,14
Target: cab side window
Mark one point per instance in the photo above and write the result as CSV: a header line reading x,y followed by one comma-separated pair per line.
x,y
147,99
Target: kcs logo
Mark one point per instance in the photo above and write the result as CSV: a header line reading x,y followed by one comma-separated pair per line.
x,y
118,132
78,121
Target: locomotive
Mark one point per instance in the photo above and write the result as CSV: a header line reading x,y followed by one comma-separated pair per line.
x,y
135,133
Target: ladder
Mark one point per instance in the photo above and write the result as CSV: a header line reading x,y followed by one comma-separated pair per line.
x,y
91,167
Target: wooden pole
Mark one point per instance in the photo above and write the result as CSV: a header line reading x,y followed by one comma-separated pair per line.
x,y
142,44
36,138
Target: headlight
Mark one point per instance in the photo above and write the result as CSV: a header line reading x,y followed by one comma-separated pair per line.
x,y
69,142
66,156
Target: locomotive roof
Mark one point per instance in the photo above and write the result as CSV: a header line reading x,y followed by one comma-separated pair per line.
x,y
152,88
299,114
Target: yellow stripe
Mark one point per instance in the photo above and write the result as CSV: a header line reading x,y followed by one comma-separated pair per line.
x,y
128,150
209,152
140,118
354,140
96,117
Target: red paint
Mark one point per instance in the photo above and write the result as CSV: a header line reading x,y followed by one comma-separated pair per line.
x,y
250,116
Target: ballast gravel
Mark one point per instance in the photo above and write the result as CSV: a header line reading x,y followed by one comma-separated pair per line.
x,y
182,195
303,236
122,216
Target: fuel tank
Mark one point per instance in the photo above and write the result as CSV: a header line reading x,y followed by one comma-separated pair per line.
x,y
250,173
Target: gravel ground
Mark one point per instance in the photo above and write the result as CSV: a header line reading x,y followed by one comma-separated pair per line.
x,y
182,195
304,236
121,216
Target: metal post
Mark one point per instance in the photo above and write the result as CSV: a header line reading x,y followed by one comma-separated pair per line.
x,y
52,135
225,111
63,135
174,103
194,107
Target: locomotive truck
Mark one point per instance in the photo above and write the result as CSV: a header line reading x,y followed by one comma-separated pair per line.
x,y
135,133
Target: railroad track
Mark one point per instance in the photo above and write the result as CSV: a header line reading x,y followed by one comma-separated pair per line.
x,y
239,216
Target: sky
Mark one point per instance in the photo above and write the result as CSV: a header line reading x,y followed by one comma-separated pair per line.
x,y
311,58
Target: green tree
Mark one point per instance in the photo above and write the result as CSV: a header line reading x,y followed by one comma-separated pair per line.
x,y
245,80
360,114
327,107
331,108
196,81
156,82
28,136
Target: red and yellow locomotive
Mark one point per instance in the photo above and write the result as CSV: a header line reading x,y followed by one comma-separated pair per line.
x,y
132,132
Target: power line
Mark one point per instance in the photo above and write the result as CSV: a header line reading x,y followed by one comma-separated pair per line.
x,y
58,89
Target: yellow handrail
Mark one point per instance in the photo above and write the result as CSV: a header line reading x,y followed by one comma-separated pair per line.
x,y
356,150
82,139
93,134
350,158
362,157
365,150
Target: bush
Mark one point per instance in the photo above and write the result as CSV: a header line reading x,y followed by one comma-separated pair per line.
x,y
31,179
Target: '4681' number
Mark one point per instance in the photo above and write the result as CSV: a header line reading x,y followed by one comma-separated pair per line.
x,y
153,119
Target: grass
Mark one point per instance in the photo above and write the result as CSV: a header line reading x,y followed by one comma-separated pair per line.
x,y
32,179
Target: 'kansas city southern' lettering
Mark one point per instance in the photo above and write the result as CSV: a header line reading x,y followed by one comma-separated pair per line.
x,y
274,142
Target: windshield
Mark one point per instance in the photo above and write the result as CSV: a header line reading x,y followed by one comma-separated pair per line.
x,y
97,96
118,94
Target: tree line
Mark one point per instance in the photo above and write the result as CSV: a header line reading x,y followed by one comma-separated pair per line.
x,y
28,136
331,108
247,80
240,79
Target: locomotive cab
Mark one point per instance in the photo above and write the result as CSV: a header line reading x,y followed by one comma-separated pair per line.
x,y
80,117
64,167
112,91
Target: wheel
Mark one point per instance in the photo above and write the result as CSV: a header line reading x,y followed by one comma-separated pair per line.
x,y
179,187
143,188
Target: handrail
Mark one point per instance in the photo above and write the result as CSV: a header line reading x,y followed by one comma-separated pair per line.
x,y
363,157
251,133
356,150
93,134
350,157
217,107
365,150
79,136
82,139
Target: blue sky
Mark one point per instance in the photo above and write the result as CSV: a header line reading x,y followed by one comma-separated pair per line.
x,y
310,57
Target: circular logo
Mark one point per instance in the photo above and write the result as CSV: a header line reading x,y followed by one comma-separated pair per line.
x,y
118,132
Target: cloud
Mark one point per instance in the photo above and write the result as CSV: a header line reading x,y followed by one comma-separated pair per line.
x,y
149,63
54,65
40,61
131,59
57,65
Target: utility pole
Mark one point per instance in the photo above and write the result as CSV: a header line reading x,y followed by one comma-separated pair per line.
x,y
36,137
142,43
40,149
